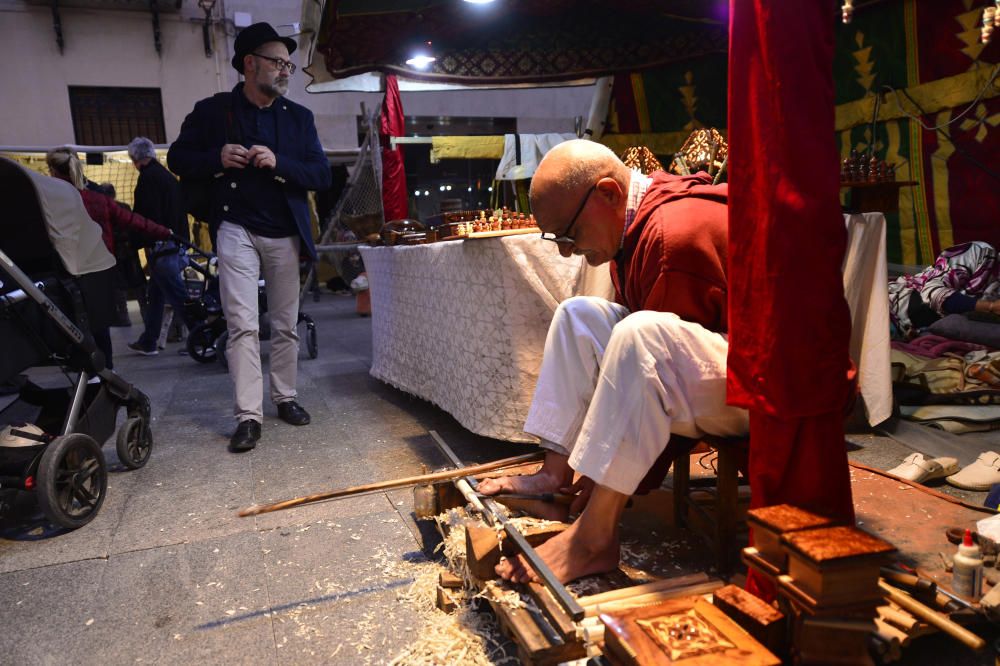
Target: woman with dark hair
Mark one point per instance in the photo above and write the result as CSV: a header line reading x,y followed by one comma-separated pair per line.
x,y
65,165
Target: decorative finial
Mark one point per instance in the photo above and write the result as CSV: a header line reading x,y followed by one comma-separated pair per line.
x,y
847,11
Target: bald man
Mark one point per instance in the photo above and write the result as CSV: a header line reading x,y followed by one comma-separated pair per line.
x,y
618,379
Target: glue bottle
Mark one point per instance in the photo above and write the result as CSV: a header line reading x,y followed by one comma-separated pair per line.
x,y
967,572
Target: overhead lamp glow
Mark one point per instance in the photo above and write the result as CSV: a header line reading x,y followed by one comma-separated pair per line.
x,y
479,2
420,61
416,193
426,193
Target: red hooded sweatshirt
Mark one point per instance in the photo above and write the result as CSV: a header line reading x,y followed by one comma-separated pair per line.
x,y
673,257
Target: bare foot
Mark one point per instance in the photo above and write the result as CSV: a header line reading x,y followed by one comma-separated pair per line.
x,y
570,556
554,475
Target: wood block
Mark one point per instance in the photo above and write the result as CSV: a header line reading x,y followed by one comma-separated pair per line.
x,y
446,600
482,548
769,523
450,581
554,613
690,631
482,551
537,641
760,619
836,565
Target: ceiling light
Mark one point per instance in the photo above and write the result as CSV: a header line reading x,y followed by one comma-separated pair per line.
x,y
426,193
479,2
416,193
420,61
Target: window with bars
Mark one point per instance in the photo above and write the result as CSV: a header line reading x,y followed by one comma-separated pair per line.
x,y
114,116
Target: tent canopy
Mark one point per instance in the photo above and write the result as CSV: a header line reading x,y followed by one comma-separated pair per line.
x,y
514,42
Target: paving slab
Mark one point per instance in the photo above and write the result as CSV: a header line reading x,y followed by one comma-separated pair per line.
x,y
335,586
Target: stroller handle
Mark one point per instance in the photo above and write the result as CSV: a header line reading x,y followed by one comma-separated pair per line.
x,y
189,246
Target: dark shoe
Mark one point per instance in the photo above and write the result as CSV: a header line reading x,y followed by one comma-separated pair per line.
x,y
136,347
292,412
246,436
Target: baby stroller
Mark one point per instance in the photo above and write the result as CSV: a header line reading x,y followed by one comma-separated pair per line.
x,y
50,442
206,341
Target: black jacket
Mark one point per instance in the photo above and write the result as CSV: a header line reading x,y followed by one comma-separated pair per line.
x,y
158,197
301,163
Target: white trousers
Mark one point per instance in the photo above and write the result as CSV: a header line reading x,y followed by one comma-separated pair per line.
x,y
613,386
243,258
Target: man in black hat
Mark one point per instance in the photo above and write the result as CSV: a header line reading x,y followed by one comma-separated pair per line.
x,y
261,154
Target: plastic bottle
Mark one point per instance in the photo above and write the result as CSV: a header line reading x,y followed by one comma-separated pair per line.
x,y
967,574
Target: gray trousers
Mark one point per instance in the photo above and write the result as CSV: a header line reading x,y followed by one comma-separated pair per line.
x,y
243,258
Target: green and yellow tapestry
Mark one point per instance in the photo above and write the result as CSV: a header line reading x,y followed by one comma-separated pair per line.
x,y
910,75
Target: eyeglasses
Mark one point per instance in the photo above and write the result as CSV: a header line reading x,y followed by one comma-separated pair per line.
x,y
565,237
279,63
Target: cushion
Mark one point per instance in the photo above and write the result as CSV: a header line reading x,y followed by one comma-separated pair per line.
x,y
962,327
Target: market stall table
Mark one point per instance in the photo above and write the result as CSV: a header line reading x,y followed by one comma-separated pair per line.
x,y
463,323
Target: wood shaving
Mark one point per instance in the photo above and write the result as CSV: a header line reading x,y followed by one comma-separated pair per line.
x,y
463,637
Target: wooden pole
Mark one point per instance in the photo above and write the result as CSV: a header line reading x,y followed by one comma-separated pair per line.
x,y
645,588
696,589
395,483
931,616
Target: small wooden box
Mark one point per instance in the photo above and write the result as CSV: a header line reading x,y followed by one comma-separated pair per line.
x,y
769,523
796,603
758,618
689,631
836,565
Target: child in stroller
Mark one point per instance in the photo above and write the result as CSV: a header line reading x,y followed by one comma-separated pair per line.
x,y
50,438
206,341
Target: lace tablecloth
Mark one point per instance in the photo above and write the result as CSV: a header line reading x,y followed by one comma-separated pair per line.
x,y
463,323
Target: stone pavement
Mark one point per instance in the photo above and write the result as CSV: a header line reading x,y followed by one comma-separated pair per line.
x,y
168,573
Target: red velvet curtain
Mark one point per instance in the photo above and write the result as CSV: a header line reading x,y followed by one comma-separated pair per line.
x,y
392,123
789,323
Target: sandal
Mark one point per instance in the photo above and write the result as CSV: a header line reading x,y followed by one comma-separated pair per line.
x,y
918,469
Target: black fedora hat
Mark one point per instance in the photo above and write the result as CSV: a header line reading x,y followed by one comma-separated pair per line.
x,y
252,37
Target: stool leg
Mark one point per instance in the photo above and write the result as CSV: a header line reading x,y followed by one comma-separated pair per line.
x,y
682,489
726,508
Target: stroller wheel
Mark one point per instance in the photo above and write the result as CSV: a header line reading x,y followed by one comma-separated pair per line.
x,y
134,443
312,344
72,480
201,343
220,349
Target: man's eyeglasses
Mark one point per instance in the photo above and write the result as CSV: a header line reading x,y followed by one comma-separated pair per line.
x,y
279,63
565,237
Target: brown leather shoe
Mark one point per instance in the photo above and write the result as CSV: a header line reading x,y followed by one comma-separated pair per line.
x,y
293,413
246,436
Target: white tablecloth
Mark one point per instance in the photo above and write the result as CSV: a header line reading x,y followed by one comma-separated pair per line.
x,y
463,323
866,288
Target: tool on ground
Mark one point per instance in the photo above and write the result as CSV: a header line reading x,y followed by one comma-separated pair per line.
x,y
931,616
926,590
380,486
494,516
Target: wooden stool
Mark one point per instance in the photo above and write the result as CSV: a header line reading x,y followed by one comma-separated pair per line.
x,y
722,533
